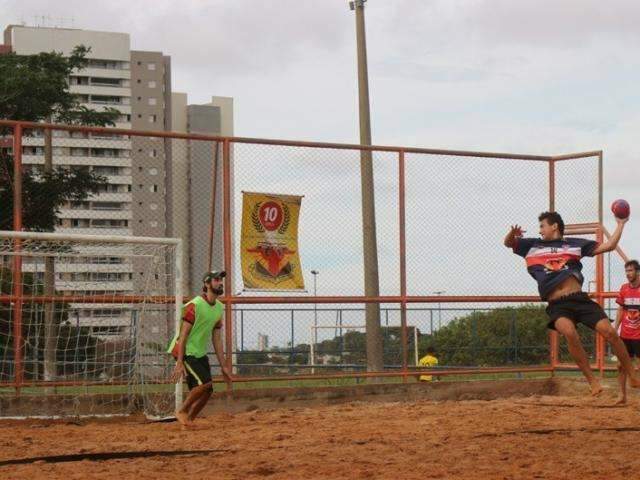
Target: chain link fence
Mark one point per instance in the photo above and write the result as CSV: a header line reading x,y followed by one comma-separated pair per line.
x,y
456,207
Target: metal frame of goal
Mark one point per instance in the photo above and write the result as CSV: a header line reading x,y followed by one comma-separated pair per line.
x,y
58,291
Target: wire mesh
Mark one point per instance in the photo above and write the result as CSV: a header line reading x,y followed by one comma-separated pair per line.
x,y
458,209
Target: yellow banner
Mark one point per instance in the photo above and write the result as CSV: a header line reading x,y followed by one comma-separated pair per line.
x,y
269,242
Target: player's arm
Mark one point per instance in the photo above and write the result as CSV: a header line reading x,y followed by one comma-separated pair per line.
x,y
612,243
217,348
511,238
619,315
179,371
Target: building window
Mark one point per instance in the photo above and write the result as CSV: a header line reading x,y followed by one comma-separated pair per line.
x,y
152,101
153,188
151,66
153,171
153,206
153,153
152,84
153,118
153,224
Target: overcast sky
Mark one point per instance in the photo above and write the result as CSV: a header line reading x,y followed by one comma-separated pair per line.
x,y
536,76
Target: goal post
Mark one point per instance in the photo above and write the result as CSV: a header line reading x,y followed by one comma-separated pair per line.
x,y
116,303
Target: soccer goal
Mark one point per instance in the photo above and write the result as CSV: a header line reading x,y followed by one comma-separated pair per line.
x,y
84,324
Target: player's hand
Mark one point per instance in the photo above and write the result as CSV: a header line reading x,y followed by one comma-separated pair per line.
x,y
621,221
178,372
516,231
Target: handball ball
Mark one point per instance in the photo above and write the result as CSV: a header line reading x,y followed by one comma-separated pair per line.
x,y
621,208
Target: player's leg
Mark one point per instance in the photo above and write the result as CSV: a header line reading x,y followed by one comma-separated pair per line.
x,y
203,371
604,328
196,390
200,403
622,383
567,329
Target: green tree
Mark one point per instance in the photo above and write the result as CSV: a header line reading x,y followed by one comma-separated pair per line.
x,y
502,336
35,88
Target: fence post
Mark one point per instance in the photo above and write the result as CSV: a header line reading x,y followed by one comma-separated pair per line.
x,y
17,262
600,342
474,331
293,336
514,324
403,263
242,330
553,335
228,259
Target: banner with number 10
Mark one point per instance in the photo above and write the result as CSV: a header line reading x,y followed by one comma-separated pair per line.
x,y
269,242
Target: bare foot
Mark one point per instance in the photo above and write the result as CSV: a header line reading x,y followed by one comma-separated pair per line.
x,y
596,388
183,418
621,400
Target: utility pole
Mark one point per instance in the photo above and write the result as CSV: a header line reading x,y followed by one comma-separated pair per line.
x,y
369,241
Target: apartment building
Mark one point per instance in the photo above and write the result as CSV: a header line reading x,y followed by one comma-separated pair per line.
x,y
194,165
140,197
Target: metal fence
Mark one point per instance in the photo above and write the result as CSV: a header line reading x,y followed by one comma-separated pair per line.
x,y
441,216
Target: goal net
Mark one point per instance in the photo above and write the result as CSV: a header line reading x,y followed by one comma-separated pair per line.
x,y
84,324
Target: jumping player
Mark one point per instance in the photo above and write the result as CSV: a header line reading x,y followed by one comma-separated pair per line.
x,y
200,322
554,262
629,317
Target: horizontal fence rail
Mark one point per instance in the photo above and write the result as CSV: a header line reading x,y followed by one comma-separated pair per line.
x,y
441,217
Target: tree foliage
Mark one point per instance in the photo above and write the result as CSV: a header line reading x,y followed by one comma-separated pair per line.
x,y
35,88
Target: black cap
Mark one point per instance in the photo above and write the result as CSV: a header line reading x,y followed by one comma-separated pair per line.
x,y
213,275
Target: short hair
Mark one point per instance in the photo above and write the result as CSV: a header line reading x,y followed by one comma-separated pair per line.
x,y
431,350
553,218
632,263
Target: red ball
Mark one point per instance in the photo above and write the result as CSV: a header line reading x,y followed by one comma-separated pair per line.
x,y
621,208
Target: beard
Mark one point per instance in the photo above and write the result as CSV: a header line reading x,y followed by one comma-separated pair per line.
x,y
219,290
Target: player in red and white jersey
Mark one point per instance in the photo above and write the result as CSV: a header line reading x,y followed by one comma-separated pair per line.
x,y
628,319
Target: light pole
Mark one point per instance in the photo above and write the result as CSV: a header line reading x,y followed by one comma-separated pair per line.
x,y
369,241
314,339
439,293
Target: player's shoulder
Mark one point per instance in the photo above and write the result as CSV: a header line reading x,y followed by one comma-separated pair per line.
x,y
625,287
574,240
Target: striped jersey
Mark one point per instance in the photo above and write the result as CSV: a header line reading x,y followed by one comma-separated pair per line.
x,y
629,300
551,262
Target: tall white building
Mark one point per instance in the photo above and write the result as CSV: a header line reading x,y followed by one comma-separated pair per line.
x,y
141,196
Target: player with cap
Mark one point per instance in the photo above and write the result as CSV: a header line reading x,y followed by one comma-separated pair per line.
x,y
201,321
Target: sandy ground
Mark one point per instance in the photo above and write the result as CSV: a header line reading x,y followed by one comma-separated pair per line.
x,y
547,437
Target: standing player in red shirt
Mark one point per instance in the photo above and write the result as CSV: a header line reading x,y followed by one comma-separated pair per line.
x,y
629,317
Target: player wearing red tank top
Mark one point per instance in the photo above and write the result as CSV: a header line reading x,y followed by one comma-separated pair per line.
x,y
628,319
